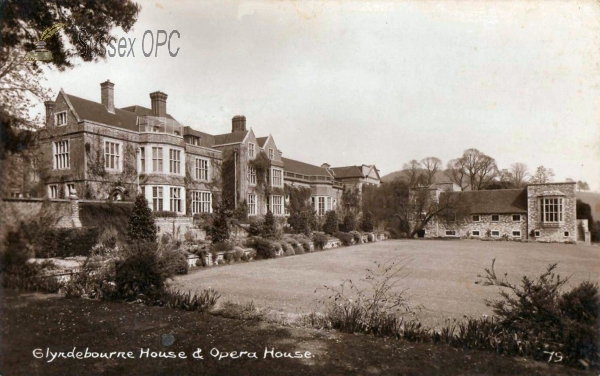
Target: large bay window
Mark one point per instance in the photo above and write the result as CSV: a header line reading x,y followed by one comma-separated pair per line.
x,y
251,204
277,205
112,155
201,202
157,159
62,158
552,209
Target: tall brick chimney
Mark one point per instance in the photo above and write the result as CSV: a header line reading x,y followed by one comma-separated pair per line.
x,y
107,90
49,112
159,103
238,123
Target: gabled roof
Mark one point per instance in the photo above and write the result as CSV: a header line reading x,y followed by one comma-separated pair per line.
x,y
261,141
297,167
230,138
97,112
348,172
142,111
497,201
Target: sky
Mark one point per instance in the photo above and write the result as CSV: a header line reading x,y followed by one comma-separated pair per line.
x,y
374,82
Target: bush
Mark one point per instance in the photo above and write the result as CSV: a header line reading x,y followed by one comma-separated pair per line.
x,y
95,280
139,273
357,237
288,250
165,214
219,230
256,227
540,315
303,241
270,227
345,238
320,240
331,223
265,249
367,222
109,237
239,253
68,242
349,222
187,301
107,216
141,226
225,246
173,262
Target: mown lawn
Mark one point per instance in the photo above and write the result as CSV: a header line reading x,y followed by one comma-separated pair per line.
x,y
441,276
34,321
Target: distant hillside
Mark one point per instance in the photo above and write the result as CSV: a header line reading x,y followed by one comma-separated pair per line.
x,y
592,199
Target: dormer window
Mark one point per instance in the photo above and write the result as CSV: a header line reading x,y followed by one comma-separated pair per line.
x,y
60,118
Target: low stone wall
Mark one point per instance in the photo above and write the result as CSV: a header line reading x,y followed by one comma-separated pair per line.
x,y
177,227
63,213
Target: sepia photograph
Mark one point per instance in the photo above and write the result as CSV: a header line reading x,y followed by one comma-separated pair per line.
x,y
262,187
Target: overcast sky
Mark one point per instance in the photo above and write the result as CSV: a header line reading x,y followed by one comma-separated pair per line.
x,y
376,82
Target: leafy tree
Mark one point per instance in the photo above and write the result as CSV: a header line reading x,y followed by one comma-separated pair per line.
x,y
270,227
141,222
220,229
457,173
302,217
542,175
350,222
331,222
367,222
351,199
583,186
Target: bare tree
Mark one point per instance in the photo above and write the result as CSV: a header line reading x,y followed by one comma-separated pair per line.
x,y
519,173
414,171
480,168
427,204
456,173
432,166
542,175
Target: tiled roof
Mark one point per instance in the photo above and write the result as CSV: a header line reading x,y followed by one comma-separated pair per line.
x,y
142,111
97,112
497,201
206,140
261,141
348,172
230,138
297,167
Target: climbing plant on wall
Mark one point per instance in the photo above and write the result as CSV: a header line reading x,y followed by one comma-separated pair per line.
x,y
262,165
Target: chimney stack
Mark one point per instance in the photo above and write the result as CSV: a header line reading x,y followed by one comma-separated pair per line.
x,y
107,90
238,123
159,103
49,112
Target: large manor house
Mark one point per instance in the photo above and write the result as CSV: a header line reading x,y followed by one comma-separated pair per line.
x,y
96,151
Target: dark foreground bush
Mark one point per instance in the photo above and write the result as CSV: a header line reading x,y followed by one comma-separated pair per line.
x,y
320,240
139,273
173,262
185,300
345,238
265,249
67,242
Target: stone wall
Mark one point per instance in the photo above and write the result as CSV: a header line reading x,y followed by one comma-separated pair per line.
x,y
505,227
177,228
566,230
62,213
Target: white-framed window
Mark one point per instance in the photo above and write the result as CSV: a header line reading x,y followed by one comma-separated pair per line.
x,y
495,218
516,217
321,207
251,204
450,233
252,175
516,233
60,118
276,177
328,204
495,233
62,158
475,232
157,198
277,205
53,191
271,153
175,161
476,218
537,233
566,234
176,200
142,159
552,209
251,150
157,159
112,155
201,202
201,169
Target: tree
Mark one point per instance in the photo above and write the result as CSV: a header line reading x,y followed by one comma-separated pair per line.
x,y
426,204
331,222
542,175
302,217
141,226
351,199
432,166
456,173
349,222
220,229
388,203
519,172
480,168
583,186
367,222
414,172
269,228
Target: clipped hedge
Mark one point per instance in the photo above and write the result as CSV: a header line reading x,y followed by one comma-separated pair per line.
x,y
67,242
320,240
265,249
345,238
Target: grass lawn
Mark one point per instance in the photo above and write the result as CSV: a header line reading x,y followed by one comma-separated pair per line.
x,y
441,274
35,321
